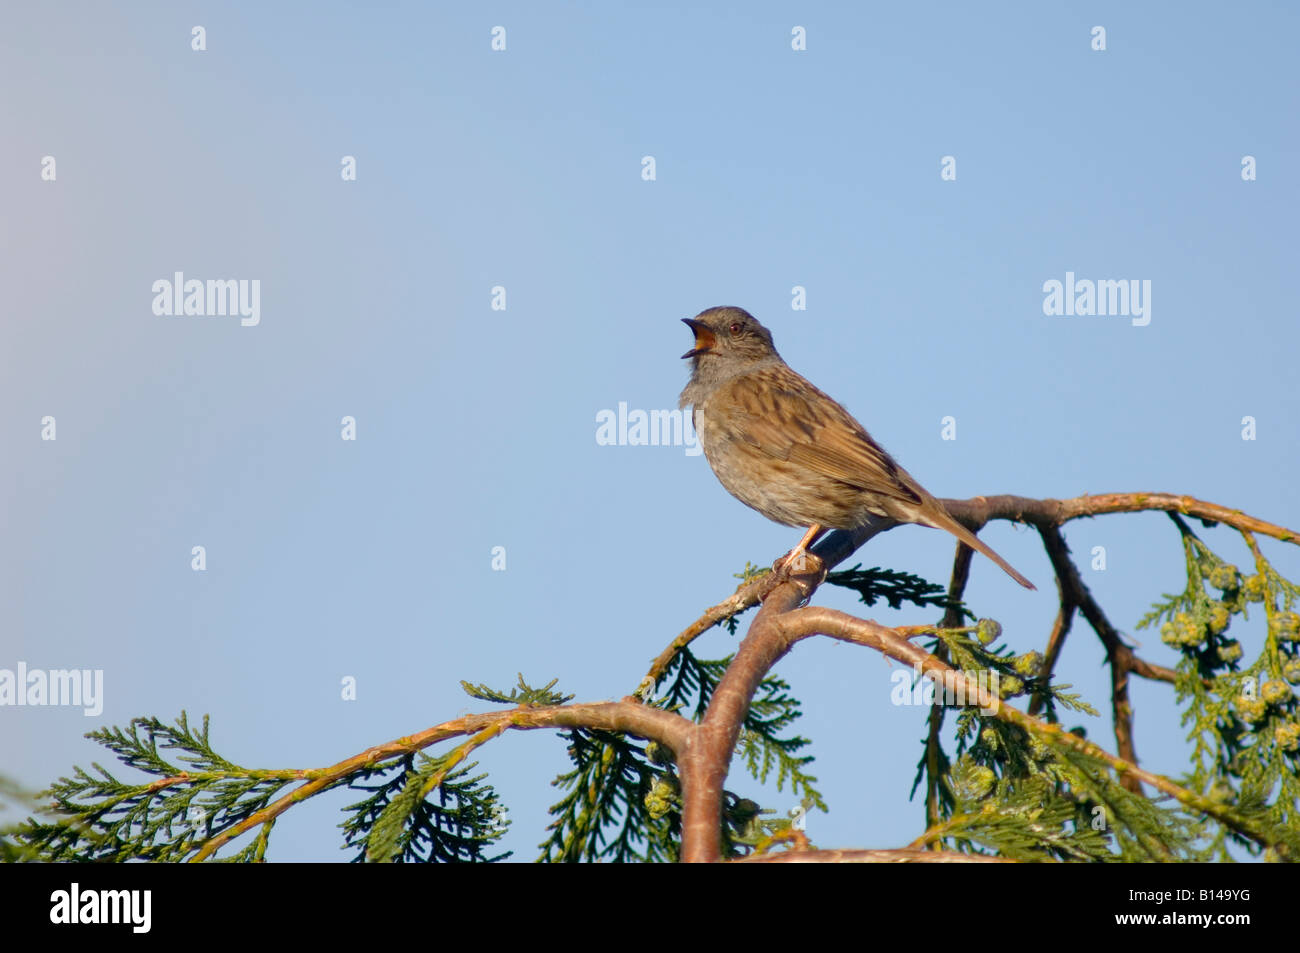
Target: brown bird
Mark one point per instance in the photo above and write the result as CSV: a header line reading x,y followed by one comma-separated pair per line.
x,y
781,446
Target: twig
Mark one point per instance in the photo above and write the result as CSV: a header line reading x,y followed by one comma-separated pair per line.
x,y
1118,655
832,550
1055,642
952,618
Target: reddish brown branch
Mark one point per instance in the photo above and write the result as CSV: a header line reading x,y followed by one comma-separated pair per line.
x,y
1157,673
706,758
981,509
707,755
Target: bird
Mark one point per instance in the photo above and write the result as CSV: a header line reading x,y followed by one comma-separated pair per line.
x,y
786,449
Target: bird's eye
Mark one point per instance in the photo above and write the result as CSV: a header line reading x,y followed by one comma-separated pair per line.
x,y
736,327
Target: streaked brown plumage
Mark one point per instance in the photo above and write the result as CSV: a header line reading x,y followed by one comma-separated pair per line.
x,y
781,446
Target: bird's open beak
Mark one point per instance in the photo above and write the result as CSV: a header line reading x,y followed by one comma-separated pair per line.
x,y
704,339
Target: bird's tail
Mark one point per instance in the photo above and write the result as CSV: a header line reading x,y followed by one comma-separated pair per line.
x,y
944,520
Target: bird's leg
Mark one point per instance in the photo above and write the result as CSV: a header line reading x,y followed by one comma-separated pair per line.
x,y
799,560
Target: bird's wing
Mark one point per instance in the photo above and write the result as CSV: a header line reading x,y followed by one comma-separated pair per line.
x,y
786,417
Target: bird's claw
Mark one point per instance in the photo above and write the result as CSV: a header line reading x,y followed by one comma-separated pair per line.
x,y
801,567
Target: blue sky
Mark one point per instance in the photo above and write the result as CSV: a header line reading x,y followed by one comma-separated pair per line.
x,y
476,427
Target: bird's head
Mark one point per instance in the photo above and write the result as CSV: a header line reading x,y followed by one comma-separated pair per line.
x,y
728,337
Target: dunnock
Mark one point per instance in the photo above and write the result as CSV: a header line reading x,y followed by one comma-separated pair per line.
x,y
781,446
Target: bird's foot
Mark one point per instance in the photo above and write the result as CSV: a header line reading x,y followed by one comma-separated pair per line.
x,y
801,567
799,562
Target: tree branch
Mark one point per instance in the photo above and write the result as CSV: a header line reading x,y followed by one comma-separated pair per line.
x,y
816,620
1118,655
628,715
708,751
707,755
975,513
980,510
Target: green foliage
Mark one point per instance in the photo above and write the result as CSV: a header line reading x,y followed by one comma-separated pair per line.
x,y
1020,789
747,826
1242,714
523,694
400,821
971,650
872,586
1030,796
97,817
623,800
14,799
894,587
619,807
1020,818
198,795
746,576
761,744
